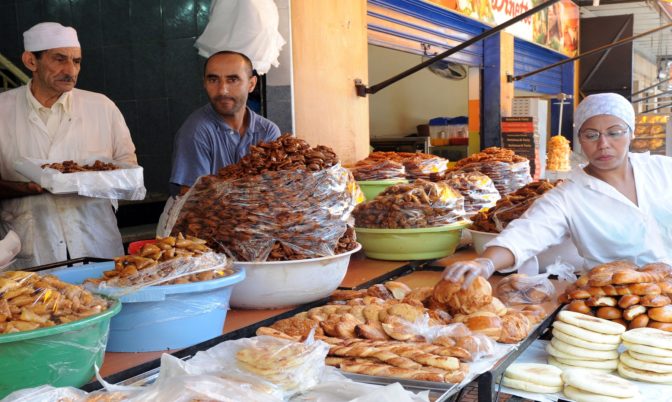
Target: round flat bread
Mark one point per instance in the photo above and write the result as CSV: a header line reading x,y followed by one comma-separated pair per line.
x,y
541,374
590,323
587,335
554,362
572,340
649,337
642,375
600,383
599,364
649,358
649,350
630,361
583,353
529,386
582,396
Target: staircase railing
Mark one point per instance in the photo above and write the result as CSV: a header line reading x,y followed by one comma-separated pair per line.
x,y
20,77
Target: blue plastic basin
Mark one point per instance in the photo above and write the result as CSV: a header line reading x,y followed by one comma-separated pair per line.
x,y
163,317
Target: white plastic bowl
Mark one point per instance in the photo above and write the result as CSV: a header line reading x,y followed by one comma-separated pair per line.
x,y
276,284
480,238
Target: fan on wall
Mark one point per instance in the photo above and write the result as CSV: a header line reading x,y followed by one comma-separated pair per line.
x,y
444,68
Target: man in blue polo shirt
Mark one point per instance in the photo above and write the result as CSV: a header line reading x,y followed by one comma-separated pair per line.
x,y
221,132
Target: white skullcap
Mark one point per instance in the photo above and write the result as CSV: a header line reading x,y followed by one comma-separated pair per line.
x,y
49,35
608,103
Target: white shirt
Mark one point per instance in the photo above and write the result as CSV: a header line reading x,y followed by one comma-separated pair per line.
x,y
47,224
602,223
52,116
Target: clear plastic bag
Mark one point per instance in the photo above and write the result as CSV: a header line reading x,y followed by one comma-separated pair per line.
x,y
368,169
306,213
419,204
507,177
422,166
125,183
478,190
458,334
533,289
338,391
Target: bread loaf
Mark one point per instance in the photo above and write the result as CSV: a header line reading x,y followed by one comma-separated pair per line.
x,y
485,323
515,327
463,301
655,301
661,314
627,301
639,321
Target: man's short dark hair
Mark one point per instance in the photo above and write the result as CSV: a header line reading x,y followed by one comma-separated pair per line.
x,y
247,60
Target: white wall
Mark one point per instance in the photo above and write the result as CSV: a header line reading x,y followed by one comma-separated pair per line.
x,y
397,110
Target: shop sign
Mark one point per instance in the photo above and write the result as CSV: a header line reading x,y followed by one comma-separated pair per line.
x,y
518,136
556,27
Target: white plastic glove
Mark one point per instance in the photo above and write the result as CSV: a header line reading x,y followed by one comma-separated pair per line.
x,y
469,270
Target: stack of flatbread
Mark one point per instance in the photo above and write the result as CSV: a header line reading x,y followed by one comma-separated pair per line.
x,y
533,377
649,355
591,386
583,341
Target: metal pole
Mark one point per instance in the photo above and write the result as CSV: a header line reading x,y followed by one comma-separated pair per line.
x,y
652,96
652,86
599,49
362,89
659,107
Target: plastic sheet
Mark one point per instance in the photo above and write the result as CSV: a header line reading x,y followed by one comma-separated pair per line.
x,y
339,391
478,190
305,213
162,272
372,169
126,183
420,204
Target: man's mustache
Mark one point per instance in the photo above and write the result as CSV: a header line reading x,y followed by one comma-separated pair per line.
x,y
220,98
68,78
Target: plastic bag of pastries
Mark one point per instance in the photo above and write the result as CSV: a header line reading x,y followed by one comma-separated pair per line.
x,y
478,190
507,170
378,169
523,289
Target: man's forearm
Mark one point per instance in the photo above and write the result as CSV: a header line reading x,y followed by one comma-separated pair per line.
x,y
15,189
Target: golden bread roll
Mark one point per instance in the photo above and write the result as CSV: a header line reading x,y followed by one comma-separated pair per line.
x,y
627,301
495,306
655,301
633,311
579,306
608,301
661,314
640,321
609,313
602,274
485,323
640,289
515,327
665,326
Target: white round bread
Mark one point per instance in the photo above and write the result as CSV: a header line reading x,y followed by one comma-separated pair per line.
x,y
650,358
649,337
642,375
554,362
529,386
598,364
600,383
590,323
582,396
586,335
542,374
572,340
630,361
583,353
649,350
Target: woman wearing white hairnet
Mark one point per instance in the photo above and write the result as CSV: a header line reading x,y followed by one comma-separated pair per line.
x,y
617,206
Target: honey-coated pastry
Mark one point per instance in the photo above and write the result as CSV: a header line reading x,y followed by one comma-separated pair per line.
x,y
515,328
655,301
463,301
627,301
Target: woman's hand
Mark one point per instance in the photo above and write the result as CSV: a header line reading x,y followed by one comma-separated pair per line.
x,y
469,270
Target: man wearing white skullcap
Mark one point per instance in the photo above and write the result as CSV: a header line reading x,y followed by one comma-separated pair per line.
x,y
48,119
618,206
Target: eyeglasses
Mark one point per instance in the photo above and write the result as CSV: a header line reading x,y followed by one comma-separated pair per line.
x,y
612,133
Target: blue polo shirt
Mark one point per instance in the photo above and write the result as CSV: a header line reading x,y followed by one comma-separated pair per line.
x,y
204,144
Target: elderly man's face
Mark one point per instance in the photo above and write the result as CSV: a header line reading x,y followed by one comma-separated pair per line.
x,y
228,81
605,141
56,70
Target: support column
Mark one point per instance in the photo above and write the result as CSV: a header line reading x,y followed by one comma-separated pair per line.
x,y
497,99
329,51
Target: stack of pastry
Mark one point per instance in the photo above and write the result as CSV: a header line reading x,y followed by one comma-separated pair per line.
x,y
621,292
583,386
557,157
533,377
649,356
582,341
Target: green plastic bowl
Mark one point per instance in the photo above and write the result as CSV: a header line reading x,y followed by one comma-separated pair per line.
x,y
372,188
411,244
62,355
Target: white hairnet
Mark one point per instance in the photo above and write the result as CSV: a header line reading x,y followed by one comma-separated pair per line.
x,y
607,103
